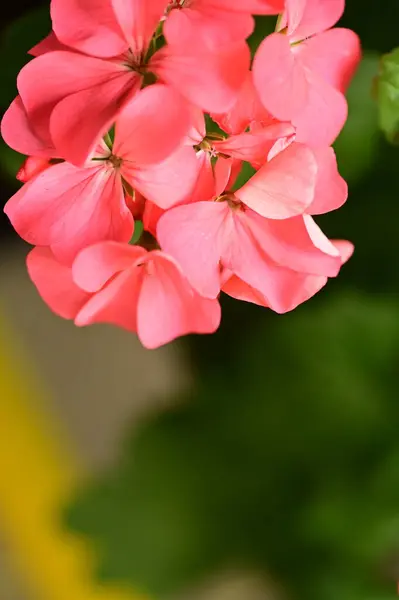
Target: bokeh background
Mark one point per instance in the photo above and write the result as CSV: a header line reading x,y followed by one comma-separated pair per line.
x,y
261,463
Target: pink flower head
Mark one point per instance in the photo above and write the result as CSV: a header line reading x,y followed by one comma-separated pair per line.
x,y
68,207
209,237
247,231
301,71
111,114
72,97
214,22
143,292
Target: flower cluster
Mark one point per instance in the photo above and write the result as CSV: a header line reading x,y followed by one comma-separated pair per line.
x,y
147,112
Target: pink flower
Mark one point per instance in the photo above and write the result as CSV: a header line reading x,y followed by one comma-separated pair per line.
x,y
143,292
257,137
301,71
68,207
214,22
73,97
293,288
252,230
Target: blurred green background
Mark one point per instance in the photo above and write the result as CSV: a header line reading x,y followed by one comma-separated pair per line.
x,y
283,458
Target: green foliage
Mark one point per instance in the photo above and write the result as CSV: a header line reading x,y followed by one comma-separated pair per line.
x,y
138,230
388,95
244,175
287,464
358,144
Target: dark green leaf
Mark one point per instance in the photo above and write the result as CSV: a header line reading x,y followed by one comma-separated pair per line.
x,y
244,175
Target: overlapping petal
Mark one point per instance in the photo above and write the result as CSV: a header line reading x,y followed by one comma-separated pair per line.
x,y
89,26
165,183
150,295
55,284
17,132
280,79
207,79
309,17
246,109
68,208
283,187
333,55
152,125
208,25
207,236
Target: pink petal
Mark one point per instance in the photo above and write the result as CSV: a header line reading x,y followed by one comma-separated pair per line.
x,y
204,187
210,26
197,130
50,44
54,283
281,144
69,208
331,189
244,256
280,78
289,244
89,26
62,74
254,7
333,56
254,147
345,249
95,265
31,167
226,171
325,114
313,16
292,16
17,132
195,235
168,182
151,125
152,214
222,171
138,20
238,289
246,109
285,186
116,303
168,307
207,79
74,131
292,289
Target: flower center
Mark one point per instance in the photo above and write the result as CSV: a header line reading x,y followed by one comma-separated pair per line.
x,y
233,202
116,161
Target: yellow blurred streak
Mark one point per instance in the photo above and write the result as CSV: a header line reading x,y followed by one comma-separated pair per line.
x,y
38,473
